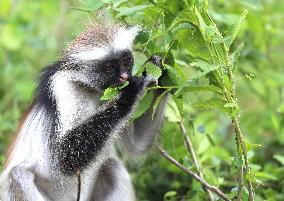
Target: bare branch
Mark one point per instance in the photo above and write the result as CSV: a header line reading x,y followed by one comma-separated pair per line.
x,y
79,185
194,158
195,176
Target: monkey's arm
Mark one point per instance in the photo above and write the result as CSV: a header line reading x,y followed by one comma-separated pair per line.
x,y
21,185
141,135
80,145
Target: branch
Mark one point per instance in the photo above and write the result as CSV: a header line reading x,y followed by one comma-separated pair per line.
x,y
79,185
195,176
240,176
194,158
244,151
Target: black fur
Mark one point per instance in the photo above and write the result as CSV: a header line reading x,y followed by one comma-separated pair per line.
x,y
43,95
82,144
110,68
45,99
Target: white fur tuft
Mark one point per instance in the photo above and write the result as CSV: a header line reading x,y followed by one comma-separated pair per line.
x,y
124,37
93,54
122,40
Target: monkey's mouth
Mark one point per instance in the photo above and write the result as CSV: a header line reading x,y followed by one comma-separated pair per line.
x,y
122,80
117,83
123,77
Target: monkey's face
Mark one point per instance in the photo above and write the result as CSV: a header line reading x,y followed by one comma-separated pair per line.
x,y
102,54
112,70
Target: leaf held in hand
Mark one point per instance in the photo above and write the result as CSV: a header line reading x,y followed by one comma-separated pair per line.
x,y
109,93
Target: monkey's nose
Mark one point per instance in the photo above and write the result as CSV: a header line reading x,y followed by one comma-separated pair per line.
x,y
123,77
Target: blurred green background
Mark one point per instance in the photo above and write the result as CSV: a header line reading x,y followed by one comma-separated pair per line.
x,y
32,34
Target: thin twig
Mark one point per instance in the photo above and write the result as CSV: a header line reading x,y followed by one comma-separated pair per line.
x,y
238,131
240,184
190,149
231,97
240,176
79,185
195,176
244,151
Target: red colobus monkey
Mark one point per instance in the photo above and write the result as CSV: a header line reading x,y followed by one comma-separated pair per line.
x,y
69,130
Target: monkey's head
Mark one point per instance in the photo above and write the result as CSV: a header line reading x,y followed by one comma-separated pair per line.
x,y
101,55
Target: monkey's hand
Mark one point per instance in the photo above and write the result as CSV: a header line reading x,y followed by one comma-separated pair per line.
x,y
135,89
142,82
150,81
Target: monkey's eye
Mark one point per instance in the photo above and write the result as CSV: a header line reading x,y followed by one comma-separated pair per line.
x,y
126,61
109,66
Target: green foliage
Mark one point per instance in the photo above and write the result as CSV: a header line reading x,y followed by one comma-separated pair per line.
x,y
144,104
197,47
153,70
112,92
109,93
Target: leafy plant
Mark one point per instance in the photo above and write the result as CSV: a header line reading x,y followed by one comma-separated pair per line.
x,y
222,67
216,64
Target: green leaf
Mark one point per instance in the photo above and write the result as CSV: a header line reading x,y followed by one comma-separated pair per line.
x,y
144,104
202,24
204,67
237,162
123,85
157,102
192,128
279,158
250,176
131,10
117,3
176,76
234,57
168,18
250,146
142,37
191,39
153,70
265,175
210,32
172,111
182,75
217,103
93,5
109,93
210,139
179,103
139,67
214,103
236,28
190,88
169,194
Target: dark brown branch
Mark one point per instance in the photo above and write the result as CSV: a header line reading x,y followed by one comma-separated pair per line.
x,y
194,158
195,176
79,186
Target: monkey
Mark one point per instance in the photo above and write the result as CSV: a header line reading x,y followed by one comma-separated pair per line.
x,y
67,139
